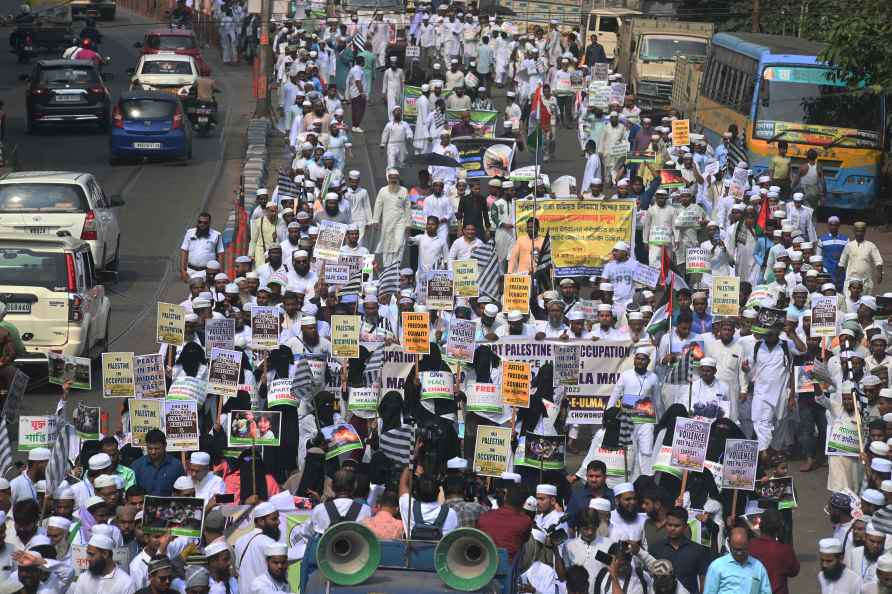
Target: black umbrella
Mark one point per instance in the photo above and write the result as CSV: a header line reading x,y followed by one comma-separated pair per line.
x,y
435,159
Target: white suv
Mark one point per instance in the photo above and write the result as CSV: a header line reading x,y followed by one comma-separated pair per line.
x,y
164,71
45,202
48,283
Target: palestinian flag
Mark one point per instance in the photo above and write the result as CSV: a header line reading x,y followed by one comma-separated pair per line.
x,y
540,119
761,225
662,318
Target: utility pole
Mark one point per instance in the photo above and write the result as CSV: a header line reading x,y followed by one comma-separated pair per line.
x,y
755,16
263,75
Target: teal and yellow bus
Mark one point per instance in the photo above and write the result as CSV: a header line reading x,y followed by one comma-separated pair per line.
x,y
776,88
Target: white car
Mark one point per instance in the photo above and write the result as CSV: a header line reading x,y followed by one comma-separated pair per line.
x,y
164,71
46,202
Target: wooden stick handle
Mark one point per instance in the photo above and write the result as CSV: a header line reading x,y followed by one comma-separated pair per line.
x,y
684,484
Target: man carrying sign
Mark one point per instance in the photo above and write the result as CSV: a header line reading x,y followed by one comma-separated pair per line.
x,y
638,391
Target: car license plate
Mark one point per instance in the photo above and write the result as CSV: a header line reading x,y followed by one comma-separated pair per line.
x,y
67,98
202,119
147,145
38,230
18,307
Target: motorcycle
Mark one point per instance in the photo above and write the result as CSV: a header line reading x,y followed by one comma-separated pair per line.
x,y
202,115
22,45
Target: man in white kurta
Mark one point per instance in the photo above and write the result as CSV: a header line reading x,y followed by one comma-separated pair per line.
x,y
207,484
249,548
447,149
729,355
861,259
659,223
392,84
438,204
360,206
392,216
395,138
710,397
103,576
638,391
422,110
771,387
275,578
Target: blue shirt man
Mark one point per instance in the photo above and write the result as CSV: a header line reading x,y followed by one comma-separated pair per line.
x,y
832,245
156,471
737,572
594,486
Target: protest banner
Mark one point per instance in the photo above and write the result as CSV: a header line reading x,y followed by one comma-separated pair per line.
x,y
726,296
77,370
188,388
118,379
223,372
689,444
341,438
516,383
483,121
681,132
842,439
614,460
437,384
464,278
671,178
823,316
345,336
641,408
416,332
264,328
566,365
485,398
86,421
582,232
280,394
410,98
586,410
329,242
145,414
254,427
36,432
177,516
516,294
662,463
337,275
363,400
439,292
600,71
460,343
805,379
181,425
170,323
739,464
697,261
643,274
80,558
219,333
149,376
15,393
599,94
779,490
492,450
545,452
398,364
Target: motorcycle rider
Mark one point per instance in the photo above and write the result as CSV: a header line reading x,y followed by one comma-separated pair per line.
x,y
181,15
204,89
84,52
91,32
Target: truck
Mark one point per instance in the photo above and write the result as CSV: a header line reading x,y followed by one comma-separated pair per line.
x,y
647,53
686,89
103,9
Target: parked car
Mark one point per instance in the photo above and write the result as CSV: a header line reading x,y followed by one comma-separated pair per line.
x,y
164,71
66,92
179,41
149,124
51,292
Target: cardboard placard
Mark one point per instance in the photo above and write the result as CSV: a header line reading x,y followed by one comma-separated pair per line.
x,y
36,432
80,559
516,295
485,398
181,425
641,408
842,439
331,238
86,421
780,490
586,410
437,384
464,278
645,275
805,379
363,400
460,344
223,372
188,388
516,383
264,328
280,394
662,463
345,336
118,380
614,461
566,361
341,438
337,275
416,332
354,263
145,414
726,296
689,444
542,451
149,376
823,316
681,132
170,326
492,451
697,261
439,290
178,516
254,427
739,464
219,333
78,370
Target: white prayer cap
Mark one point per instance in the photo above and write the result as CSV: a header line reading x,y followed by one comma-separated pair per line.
x,y
886,486
764,179
63,494
834,220
530,504
750,314
886,393
491,310
798,196
39,455
200,304
457,464
621,246
103,480
605,307
353,174
191,317
215,548
393,171
830,546
40,486
623,488
200,458
93,500
575,315
264,509
183,483
872,530
873,496
828,287
596,181
879,448
544,489
707,362
646,309
59,522
514,316
600,504
513,476
308,320
881,465
634,315
102,542
99,461
276,549
605,287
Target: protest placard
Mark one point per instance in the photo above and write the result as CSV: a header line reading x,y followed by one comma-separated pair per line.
x,y
363,400
460,343
36,432
697,260
778,490
80,558
254,427
62,368
586,410
329,242
485,398
515,383
842,439
439,290
662,463
353,262
437,384
341,438
264,328
546,452
739,464
805,379
118,379
181,425
149,376
177,516
86,421
689,444
516,295
280,394
641,408
188,388
566,365
726,296
170,324
492,450
145,414
416,332
643,274
681,132
223,372
464,278
823,316
219,333
600,71
345,336
337,275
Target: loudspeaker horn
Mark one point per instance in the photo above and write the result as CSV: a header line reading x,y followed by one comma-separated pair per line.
x,y
466,559
348,554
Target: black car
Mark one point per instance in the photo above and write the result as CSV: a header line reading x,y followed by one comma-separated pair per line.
x,y
67,92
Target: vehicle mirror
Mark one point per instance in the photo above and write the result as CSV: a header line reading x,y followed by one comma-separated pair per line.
x,y
24,77
116,200
137,45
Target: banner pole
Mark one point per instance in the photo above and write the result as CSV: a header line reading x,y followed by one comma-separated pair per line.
x,y
684,484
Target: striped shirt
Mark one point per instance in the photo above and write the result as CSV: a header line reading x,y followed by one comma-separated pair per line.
x,y
397,444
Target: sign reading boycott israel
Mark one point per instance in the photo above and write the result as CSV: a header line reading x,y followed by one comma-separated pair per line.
x,y
583,232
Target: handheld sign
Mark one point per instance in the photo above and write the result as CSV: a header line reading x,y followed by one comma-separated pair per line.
x,y
86,421
219,333
345,336
516,383
566,365
697,260
517,293
363,400
223,373
823,316
181,425
464,278
689,444
118,379
171,324
341,438
485,398
145,414
280,393
178,516
150,382
254,427
492,450
681,132
440,289
739,464
36,432
264,328
460,344
328,243
546,452
842,439
416,332
726,296
436,384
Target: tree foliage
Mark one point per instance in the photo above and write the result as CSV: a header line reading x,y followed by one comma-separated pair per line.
x,y
859,39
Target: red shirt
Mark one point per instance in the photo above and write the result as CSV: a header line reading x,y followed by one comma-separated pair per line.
x,y
508,528
779,560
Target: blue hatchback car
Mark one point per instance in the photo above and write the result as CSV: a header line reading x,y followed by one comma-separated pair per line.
x,y
149,124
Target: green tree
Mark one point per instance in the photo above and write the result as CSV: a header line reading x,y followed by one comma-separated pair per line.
x,y
859,38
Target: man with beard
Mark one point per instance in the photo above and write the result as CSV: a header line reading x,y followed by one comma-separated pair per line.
x,y
638,391
553,326
729,354
300,278
582,495
207,484
275,578
341,508
125,520
626,523
710,397
200,245
220,568
835,577
57,531
883,583
392,217
863,560
605,330
738,571
249,549
583,549
351,245
103,575
309,341
292,241
26,515
332,211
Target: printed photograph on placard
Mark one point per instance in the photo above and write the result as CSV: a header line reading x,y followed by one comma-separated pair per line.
x,y
86,421
178,516
257,427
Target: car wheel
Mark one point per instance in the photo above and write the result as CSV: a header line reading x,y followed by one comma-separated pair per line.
x,y
115,264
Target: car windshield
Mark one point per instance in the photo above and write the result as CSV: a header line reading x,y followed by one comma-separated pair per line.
x,y
32,268
171,42
147,109
665,48
62,75
166,67
36,197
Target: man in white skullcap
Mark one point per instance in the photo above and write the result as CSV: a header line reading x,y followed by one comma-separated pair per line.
x,y
103,574
97,465
250,557
710,397
207,484
845,472
275,578
220,568
862,259
862,560
835,577
23,486
626,523
638,391
395,138
392,218
548,516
